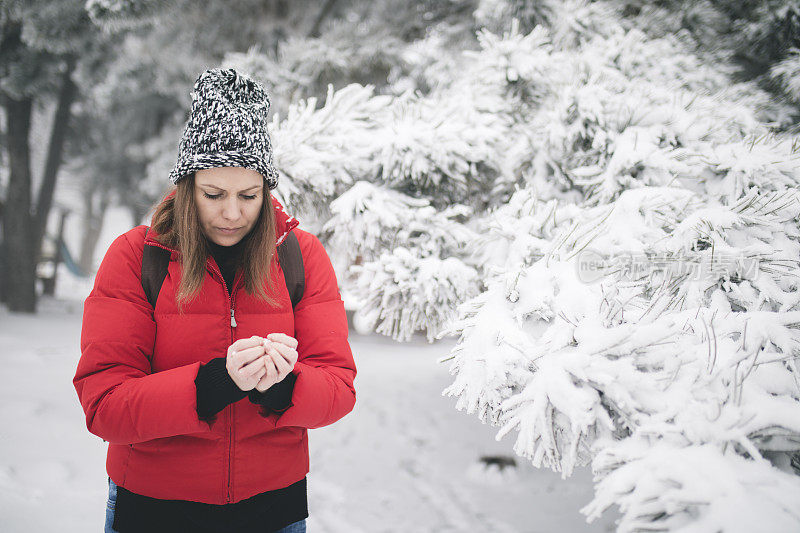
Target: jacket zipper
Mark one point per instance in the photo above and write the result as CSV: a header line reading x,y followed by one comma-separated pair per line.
x,y
230,298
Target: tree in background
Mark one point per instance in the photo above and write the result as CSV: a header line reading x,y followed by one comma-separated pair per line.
x,y
125,66
137,109
39,51
757,41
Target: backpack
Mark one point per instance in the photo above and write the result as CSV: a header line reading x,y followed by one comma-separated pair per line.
x,y
155,261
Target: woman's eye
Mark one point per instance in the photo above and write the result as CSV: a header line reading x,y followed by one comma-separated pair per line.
x,y
219,195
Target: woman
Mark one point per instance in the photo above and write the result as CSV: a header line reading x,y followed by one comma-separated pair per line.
x,y
206,399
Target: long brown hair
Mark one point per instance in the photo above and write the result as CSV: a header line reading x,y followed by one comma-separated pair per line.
x,y
178,226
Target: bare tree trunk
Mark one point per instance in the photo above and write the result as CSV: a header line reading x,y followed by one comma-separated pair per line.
x,y
58,135
19,276
50,283
134,201
138,211
92,224
282,9
3,266
323,14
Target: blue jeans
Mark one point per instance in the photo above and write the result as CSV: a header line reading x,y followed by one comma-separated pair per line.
x,y
297,527
111,504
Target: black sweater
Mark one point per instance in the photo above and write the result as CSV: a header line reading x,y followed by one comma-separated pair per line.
x,y
268,511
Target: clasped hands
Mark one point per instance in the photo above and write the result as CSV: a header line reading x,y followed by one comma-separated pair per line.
x,y
259,363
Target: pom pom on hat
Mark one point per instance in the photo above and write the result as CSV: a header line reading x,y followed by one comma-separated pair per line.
x,y
227,127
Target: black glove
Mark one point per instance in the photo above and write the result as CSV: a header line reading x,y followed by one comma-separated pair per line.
x,y
277,398
215,389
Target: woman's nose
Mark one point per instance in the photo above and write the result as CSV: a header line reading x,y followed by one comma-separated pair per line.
x,y
230,209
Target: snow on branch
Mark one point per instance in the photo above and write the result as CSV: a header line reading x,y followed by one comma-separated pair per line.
x,y
406,293
659,486
572,363
321,152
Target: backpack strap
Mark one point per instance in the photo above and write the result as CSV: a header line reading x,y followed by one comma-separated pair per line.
x,y
155,261
291,260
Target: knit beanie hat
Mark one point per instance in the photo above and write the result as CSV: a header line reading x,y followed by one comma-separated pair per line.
x,y
227,127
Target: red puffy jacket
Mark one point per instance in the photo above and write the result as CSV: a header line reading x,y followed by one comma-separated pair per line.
x,y
135,377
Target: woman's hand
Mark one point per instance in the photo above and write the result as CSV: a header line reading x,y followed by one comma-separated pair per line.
x,y
281,350
245,362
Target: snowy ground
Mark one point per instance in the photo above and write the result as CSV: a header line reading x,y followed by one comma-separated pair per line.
x,y
403,460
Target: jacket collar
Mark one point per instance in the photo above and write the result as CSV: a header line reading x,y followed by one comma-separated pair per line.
x,y
284,223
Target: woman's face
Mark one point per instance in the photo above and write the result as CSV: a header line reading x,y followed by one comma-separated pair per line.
x,y
228,200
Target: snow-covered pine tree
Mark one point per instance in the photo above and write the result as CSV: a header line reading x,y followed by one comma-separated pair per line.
x,y
643,310
439,167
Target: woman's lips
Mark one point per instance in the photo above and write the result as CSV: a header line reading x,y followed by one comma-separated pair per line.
x,y
228,230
